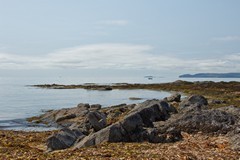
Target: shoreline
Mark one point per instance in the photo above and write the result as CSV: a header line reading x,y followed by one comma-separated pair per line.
x,y
193,145
226,91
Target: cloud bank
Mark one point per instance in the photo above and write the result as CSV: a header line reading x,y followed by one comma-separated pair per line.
x,y
117,56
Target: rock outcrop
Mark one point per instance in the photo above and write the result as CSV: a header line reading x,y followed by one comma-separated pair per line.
x,y
197,118
137,126
154,121
206,121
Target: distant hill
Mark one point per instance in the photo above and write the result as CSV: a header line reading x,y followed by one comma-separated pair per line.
x,y
211,75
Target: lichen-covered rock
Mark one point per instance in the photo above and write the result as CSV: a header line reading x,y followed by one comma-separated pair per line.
x,y
234,134
196,119
193,100
208,121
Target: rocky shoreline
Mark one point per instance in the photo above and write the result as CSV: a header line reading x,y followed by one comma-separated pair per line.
x,y
154,121
203,121
228,92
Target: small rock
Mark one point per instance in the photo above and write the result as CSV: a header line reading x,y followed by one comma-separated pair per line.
x,y
95,107
176,97
83,106
217,101
135,98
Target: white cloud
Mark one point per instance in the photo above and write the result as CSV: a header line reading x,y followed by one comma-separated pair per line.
x,y
233,57
115,22
227,38
117,56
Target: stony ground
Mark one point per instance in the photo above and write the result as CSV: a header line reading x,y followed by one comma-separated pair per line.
x,y
23,145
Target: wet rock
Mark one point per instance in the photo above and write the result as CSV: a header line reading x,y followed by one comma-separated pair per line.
x,y
193,100
63,139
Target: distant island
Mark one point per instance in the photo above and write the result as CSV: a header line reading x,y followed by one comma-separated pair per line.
x,y
211,75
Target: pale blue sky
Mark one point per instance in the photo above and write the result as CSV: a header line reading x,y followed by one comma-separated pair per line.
x,y
146,36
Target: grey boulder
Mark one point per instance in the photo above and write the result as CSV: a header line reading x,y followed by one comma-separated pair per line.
x,y
63,139
135,126
193,100
97,120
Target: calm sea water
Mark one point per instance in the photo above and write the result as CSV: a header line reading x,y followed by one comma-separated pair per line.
x,y
19,101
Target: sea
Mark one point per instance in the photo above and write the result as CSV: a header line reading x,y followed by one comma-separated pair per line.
x,y
18,100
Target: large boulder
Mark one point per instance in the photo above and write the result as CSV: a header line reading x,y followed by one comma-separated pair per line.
x,y
63,117
97,120
113,133
116,133
135,126
193,119
152,111
64,139
206,121
234,134
193,100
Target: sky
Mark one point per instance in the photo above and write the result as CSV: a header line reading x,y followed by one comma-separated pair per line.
x,y
119,37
